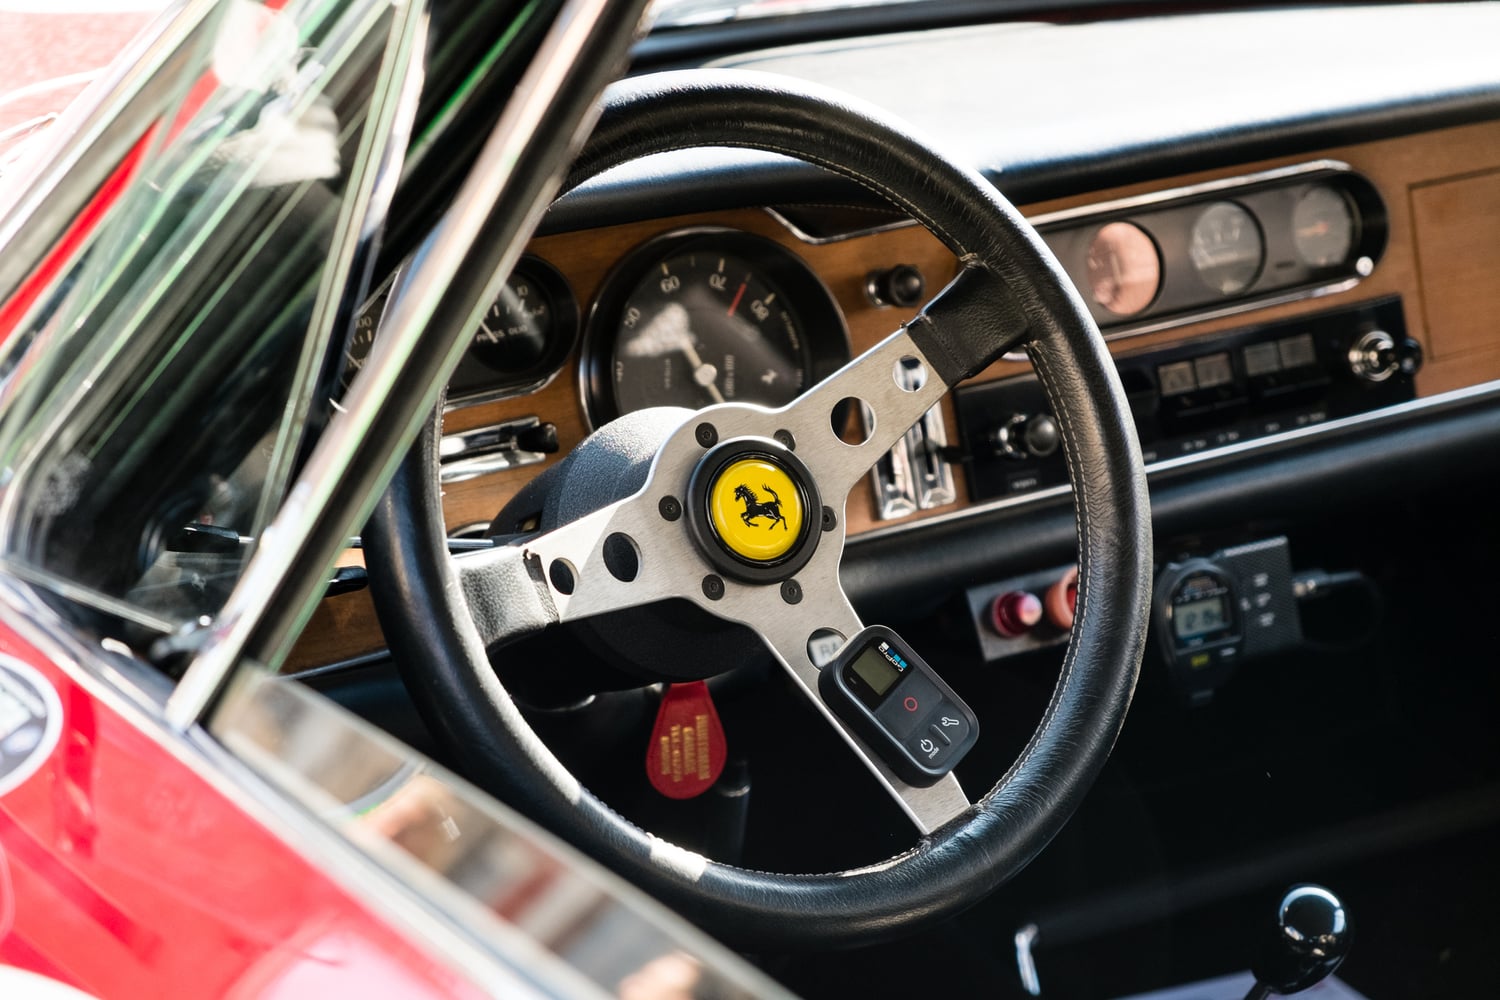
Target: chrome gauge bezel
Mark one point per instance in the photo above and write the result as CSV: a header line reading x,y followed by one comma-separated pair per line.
x,y
820,321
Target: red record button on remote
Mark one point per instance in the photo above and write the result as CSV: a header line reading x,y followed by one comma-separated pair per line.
x,y
913,702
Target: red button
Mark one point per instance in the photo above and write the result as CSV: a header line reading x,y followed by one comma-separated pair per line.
x,y
911,704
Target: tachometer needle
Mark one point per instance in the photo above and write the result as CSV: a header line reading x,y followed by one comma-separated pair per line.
x,y
738,295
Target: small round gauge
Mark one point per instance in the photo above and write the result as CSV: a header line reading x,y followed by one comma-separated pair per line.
x,y
1226,248
1124,268
710,317
522,338
1323,226
521,323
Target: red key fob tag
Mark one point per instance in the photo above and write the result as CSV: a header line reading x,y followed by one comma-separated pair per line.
x,y
687,749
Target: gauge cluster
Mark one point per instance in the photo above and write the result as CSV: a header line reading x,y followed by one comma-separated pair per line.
x,y
1186,254
733,309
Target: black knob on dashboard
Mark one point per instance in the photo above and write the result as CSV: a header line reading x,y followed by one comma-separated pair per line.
x,y
1022,436
542,438
1309,939
1041,436
902,285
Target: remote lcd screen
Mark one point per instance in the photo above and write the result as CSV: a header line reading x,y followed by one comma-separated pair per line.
x,y
875,670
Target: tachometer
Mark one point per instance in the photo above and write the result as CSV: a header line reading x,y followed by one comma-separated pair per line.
x,y
710,317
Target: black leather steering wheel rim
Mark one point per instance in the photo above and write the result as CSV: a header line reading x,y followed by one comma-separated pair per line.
x,y
443,661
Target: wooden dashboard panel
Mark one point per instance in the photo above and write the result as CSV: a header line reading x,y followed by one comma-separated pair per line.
x,y
1442,193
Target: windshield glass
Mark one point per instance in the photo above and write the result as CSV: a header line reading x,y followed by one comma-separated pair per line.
x,y
160,372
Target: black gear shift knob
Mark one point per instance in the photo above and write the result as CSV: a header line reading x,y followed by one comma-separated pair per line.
x,y
1311,937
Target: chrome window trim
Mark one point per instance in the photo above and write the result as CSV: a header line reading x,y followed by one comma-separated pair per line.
x,y
1453,399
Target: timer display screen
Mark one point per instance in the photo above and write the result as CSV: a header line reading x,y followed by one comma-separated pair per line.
x,y
1200,617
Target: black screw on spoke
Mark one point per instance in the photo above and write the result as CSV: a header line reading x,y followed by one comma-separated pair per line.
x,y
671,508
713,587
791,592
707,435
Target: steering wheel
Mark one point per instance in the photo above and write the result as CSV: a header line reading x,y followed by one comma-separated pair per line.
x,y
1010,294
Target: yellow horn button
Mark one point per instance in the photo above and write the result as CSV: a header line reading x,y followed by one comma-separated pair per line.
x,y
755,509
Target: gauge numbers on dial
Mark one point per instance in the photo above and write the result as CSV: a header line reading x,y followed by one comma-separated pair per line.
x,y
709,317
707,328
521,340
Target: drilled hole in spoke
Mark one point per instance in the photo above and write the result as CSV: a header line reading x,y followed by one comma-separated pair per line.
x,y
910,374
823,645
563,576
852,420
621,557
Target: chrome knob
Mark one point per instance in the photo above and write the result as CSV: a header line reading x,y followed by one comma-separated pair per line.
x,y
1373,356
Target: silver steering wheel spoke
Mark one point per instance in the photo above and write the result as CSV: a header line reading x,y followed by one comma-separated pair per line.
x,y
877,384
788,630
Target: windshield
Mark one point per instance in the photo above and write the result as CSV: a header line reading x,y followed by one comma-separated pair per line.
x,y
158,387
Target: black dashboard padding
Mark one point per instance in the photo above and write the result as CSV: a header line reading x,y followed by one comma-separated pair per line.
x,y
443,660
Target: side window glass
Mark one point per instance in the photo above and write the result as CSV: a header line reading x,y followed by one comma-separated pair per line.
x,y
157,393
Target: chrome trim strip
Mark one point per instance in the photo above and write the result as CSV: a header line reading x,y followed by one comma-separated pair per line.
x,y
1189,191
102,106
1219,312
338,666
1448,400
371,185
86,597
